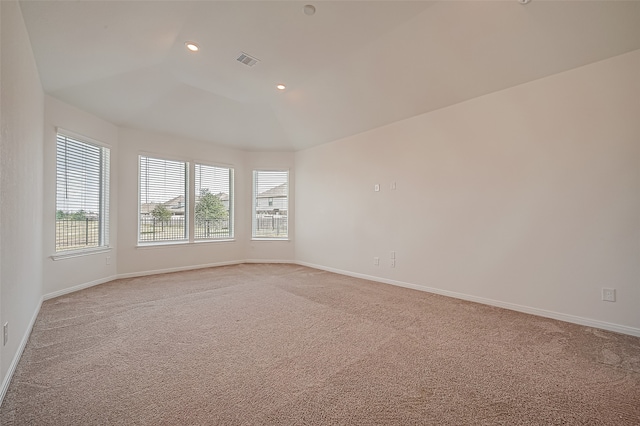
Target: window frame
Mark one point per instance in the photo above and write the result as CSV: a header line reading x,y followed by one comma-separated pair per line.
x,y
186,164
104,195
232,197
254,197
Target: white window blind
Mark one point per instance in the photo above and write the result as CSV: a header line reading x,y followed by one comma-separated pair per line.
x,y
163,202
270,204
214,202
82,194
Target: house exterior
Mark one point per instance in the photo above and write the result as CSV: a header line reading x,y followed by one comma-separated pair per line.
x,y
273,201
175,205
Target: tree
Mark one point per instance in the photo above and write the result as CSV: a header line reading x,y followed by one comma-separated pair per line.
x,y
79,215
210,207
161,213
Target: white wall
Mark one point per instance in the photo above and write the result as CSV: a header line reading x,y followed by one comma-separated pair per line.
x,y
529,197
64,274
134,260
21,182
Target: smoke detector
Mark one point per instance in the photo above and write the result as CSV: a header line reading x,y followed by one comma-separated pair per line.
x,y
248,60
523,1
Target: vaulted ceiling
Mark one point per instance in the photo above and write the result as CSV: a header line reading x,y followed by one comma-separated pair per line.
x,y
350,67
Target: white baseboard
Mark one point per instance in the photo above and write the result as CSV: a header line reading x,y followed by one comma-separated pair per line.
x,y
156,272
485,301
78,287
512,306
201,266
16,358
506,305
177,269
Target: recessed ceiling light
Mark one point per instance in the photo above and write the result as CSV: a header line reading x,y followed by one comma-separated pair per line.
x,y
309,9
192,46
524,1
281,87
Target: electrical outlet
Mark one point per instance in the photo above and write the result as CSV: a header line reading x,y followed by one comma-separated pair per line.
x,y
5,333
609,294
376,261
108,260
393,263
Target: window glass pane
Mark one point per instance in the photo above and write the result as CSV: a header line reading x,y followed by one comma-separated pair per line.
x,y
163,200
214,202
270,204
82,194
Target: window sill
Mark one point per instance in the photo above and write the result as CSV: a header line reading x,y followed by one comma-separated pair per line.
x,y
80,253
161,244
181,243
269,239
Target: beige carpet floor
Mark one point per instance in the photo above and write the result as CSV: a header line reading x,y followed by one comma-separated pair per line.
x,y
290,345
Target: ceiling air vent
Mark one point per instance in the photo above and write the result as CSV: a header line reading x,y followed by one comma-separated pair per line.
x,y
247,59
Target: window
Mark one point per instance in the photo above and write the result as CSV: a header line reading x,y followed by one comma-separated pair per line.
x,y
82,194
163,203
214,202
270,204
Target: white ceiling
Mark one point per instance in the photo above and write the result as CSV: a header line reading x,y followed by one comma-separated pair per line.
x,y
353,66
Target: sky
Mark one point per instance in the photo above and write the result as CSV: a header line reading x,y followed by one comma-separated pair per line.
x,y
78,175
264,180
162,180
